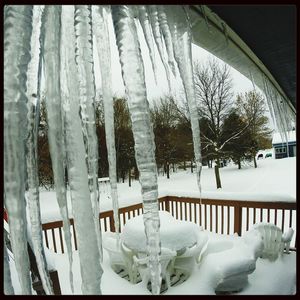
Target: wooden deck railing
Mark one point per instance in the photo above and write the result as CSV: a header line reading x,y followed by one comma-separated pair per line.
x,y
220,216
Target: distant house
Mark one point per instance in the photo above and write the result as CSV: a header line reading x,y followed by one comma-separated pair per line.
x,y
280,146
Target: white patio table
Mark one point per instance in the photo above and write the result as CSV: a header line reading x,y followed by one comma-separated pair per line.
x,y
174,234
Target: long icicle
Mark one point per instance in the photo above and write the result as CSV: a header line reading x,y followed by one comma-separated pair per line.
x,y
50,41
164,28
100,29
17,35
146,26
33,201
134,81
154,21
90,267
85,65
182,40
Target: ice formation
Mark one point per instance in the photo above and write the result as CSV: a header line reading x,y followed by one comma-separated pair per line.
x,y
67,60
134,81
17,34
182,43
91,270
8,288
146,26
33,95
100,19
50,43
87,91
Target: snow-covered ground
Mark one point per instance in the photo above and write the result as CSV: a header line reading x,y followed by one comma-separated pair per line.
x,y
273,180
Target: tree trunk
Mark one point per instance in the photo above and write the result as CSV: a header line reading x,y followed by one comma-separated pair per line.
x,y
239,164
217,174
191,166
254,160
136,173
184,167
168,170
173,166
129,177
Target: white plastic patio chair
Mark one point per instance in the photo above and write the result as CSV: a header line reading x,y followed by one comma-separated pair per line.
x,y
228,261
183,264
128,255
166,257
274,241
110,244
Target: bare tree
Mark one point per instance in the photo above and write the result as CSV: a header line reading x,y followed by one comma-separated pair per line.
x,y
213,85
251,106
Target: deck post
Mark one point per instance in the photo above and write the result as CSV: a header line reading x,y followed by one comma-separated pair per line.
x,y
238,220
167,203
112,222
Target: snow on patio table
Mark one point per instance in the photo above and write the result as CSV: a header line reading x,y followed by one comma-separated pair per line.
x,y
174,234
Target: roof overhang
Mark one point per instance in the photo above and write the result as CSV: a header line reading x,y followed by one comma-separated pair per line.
x,y
269,57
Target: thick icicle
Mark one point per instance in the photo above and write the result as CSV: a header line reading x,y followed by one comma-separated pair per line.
x,y
146,26
134,81
90,267
8,288
165,30
85,69
182,40
33,202
100,19
154,21
50,41
281,115
17,34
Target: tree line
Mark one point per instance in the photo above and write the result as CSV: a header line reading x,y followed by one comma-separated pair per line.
x,y
232,128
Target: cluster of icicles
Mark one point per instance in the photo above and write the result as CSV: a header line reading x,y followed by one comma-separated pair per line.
x,y
55,43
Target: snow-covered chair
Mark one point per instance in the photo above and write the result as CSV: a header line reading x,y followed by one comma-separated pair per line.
x,y
274,241
166,258
112,246
183,264
128,255
228,262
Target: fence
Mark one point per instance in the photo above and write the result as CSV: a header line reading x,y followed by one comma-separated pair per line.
x,y
220,216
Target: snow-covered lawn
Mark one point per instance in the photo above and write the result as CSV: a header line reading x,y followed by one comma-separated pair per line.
x,y
273,180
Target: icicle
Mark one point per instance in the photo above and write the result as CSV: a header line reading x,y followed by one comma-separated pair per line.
x,y
164,27
17,34
134,81
280,113
154,21
33,76
50,41
146,26
100,19
85,68
269,102
90,267
8,288
182,38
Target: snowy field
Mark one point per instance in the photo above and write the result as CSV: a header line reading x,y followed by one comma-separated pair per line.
x,y
273,180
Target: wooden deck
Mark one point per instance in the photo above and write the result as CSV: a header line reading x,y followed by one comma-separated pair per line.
x,y
215,215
